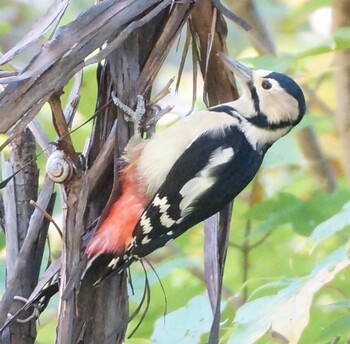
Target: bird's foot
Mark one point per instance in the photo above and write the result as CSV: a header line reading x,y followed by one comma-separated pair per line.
x,y
129,114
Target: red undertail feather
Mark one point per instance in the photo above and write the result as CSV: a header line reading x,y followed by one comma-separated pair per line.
x,y
115,233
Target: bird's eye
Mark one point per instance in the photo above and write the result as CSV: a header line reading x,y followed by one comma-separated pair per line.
x,y
266,85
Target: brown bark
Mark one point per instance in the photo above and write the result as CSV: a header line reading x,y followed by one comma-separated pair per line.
x,y
64,55
23,243
139,35
18,211
341,18
210,29
258,35
218,86
102,313
319,165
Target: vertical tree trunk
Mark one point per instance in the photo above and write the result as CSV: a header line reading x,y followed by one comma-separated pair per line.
x,y
18,211
100,315
207,22
341,18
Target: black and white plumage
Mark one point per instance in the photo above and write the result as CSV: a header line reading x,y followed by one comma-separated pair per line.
x,y
209,174
192,169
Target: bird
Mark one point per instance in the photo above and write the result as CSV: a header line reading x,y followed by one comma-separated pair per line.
x,y
189,171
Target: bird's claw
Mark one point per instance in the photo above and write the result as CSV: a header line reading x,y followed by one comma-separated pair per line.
x,y
129,114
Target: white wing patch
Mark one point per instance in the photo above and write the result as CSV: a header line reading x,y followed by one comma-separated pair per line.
x,y
195,187
166,220
219,156
145,224
145,240
113,263
162,203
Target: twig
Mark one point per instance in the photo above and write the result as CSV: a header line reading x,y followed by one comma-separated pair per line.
x,y
45,149
172,250
315,156
260,241
315,99
195,60
245,258
211,37
335,340
39,290
40,27
163,92
153,121
61,127
174,23
26,250
73,100
183,57
25,120
234,245
123,35
47,216
41,137
102,160
230,15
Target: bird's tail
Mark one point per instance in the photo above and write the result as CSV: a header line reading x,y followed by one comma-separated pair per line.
x,y
115,233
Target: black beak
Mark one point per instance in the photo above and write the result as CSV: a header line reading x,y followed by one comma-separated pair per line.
x,y
242,72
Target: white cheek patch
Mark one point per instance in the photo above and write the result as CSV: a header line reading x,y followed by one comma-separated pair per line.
x,y
277,104
205,179
279,107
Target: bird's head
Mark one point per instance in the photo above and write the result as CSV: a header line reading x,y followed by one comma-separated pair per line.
x,y
269,100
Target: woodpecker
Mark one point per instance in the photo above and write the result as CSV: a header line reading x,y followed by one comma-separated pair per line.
x,y
191,170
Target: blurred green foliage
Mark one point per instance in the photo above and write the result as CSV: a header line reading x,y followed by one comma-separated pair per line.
x,y
276,226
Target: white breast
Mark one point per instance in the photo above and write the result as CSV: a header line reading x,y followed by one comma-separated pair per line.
x,y
161,152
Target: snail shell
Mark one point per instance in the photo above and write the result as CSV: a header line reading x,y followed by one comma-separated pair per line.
x,y
59,167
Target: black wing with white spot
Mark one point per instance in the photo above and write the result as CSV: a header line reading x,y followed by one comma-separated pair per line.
x,y
215,167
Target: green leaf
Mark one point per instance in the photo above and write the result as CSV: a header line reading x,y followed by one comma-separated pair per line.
x,y
332,225
308,6
339,327
138,341
4,28
339,41
284,152
302,215
318,50
342,38
185,325
2,240
287,311
339,305
278,63
162,270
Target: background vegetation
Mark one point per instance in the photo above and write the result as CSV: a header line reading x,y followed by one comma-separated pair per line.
x,y
287,270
